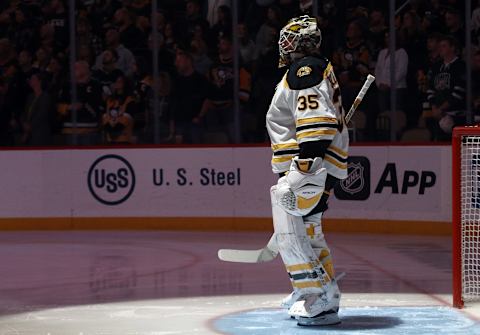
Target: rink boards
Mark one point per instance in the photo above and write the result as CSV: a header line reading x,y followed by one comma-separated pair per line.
x,y
389,189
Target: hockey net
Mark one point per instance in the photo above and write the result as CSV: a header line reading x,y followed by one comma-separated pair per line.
x,y
466,215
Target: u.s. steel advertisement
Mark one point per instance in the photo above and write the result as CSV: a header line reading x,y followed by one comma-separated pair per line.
x,y
383,183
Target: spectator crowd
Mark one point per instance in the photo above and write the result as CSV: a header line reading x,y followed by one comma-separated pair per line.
x,y
115,84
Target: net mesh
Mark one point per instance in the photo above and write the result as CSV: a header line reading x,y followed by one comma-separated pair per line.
x,y
470,217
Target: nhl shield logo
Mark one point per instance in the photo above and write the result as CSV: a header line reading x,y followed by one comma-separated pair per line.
x,y
357,184
355,180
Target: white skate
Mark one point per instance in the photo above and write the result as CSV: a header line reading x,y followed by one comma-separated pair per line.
x,y
317,309
292,298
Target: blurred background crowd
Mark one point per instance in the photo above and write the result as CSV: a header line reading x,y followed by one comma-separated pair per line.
x,y
194,94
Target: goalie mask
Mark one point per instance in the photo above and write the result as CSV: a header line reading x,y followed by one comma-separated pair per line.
x,y
300,37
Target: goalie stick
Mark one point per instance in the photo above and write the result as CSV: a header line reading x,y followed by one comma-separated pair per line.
x,y
270,251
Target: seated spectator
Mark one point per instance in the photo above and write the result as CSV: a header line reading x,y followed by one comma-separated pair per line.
x,y
47,39
414,41
170,37
25,63
130,36
143,94
166,57
352,62
193,18
217,109
223,27
200,34
213,13
42,59
7,55
454,26
376,33
85,53
382,74
247,46
126,60
88,108
266,75
39,110
25,71
431,23
272,24
108,73
56,17
117,122
85,36
143,24
201,61
446,93
57,75
165,122
21,31
433,55
189,94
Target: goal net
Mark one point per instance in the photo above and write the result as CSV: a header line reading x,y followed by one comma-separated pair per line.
x,y
466,215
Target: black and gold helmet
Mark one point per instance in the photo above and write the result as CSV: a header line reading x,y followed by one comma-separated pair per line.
x,y
300,37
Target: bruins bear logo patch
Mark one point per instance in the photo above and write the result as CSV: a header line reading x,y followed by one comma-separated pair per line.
x,y
304,71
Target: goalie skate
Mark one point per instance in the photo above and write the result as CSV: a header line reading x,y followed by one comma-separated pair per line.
x,y
295,296
328,318
315,304
289,300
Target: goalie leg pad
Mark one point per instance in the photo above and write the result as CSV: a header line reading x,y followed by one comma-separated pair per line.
x,y
307,274
301,189
313,226
318,309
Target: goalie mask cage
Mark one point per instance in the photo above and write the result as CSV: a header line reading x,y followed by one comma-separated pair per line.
x,y
466,215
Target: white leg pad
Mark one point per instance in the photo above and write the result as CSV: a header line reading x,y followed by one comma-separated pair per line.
x,y
313,226
307,274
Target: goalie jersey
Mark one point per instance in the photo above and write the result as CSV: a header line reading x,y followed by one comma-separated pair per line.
x,y
306,107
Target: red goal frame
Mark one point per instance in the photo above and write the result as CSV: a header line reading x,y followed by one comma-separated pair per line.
x,y
457,269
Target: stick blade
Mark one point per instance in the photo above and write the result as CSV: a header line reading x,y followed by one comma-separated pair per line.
x,y
246,256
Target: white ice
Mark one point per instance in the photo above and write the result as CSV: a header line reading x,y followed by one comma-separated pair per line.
x,y
98,283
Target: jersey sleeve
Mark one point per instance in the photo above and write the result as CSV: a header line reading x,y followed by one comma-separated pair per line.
x,y
281,128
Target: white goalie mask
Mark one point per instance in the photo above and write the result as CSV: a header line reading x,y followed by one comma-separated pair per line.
x,y
300,37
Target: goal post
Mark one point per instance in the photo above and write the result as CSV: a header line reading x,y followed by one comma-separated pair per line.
x,y
466,215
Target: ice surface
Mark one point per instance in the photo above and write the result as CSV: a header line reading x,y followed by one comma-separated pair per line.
x,y
139,283
358,321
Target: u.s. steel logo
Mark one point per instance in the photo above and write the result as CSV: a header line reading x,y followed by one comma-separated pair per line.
x,y
111,179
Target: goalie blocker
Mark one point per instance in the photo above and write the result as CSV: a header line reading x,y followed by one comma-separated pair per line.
x,y
301,189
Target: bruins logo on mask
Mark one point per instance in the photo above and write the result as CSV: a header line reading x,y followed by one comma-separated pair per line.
x,y
304,71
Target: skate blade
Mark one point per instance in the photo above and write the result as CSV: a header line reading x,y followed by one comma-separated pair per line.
x,y
327,319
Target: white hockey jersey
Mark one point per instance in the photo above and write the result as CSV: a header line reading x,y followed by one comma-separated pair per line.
x,y
306,107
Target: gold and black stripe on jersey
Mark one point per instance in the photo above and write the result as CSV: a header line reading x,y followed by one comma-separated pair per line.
x,y
284,152
317,128
337,157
